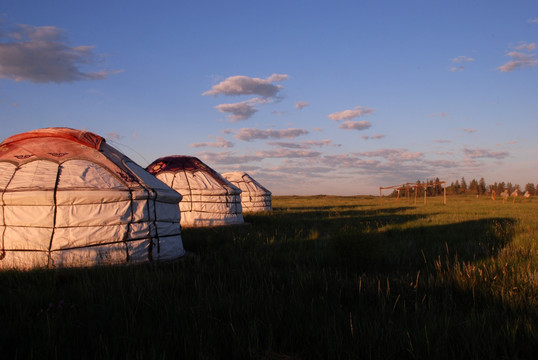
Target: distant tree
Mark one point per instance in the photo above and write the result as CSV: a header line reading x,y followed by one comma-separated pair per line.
x,y
482,186
500,187
457,187
473,187
509,187
420,189
530,188
463,185
438,188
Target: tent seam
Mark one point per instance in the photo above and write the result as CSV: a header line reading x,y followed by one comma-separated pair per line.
x,y
3,252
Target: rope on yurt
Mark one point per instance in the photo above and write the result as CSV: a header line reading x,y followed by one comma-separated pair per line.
x,y
155,220
131,220
248,188
54,216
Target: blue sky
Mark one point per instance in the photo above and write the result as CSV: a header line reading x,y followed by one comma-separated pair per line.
x,y
309,97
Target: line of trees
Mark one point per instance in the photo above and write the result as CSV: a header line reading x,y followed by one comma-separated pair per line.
x,y
479,187
473,187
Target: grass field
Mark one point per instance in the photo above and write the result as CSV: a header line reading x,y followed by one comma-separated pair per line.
x,y
320,277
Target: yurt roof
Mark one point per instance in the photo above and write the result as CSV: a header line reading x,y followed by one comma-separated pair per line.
x,y
61,144
86,138
240,177
175,163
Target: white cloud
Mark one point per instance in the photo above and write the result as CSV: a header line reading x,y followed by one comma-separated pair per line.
x,y
346,161
470,131
457,68
534,21
373,137
238,111
249,134
228,157
41,55
287,153
484,153
244,85
290,145
442,115
220,143
526,46
355,125
303,144
392,154
320,143
462,59
301,104
350,114
381,167
520,60
277,77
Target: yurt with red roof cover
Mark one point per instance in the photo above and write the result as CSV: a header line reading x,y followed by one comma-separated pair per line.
x,y
70,199
208,198
254,196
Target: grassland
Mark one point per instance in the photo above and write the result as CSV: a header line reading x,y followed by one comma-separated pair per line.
x,y
318,278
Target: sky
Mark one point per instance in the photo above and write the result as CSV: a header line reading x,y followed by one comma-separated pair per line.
x,y
308,97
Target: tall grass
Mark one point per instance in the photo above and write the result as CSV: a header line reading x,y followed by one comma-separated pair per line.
x,y
318,278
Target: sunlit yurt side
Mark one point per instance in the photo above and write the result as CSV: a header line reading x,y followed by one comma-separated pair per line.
x,y
208,198
69,199
254,197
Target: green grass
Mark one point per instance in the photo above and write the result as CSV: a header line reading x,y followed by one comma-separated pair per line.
x,y
320,277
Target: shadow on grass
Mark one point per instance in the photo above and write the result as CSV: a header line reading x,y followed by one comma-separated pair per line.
x,y
291,209
392,251
371,240
294,226
310,270
352,209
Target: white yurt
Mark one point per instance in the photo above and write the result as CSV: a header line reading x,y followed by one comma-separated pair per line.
x,y
254,197
69,199
208,198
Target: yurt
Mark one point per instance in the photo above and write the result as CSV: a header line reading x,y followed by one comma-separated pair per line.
x,y
254,197
69,199
208,198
